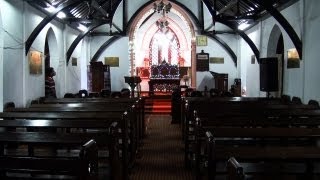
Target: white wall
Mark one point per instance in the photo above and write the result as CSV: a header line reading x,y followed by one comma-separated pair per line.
x,y
19,85
1,63
34,87
133,7
295,80
311,42
13,59
216,50
72,73
250,81
118,49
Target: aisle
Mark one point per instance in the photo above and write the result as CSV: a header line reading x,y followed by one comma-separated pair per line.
x,y
162,152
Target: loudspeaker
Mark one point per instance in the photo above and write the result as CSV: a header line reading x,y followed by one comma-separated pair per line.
x,y
269,74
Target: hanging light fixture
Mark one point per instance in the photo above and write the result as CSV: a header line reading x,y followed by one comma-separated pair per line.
x,y
162,24
163,8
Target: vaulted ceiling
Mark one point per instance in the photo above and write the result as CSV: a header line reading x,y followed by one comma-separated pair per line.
x,y
91,14
88,12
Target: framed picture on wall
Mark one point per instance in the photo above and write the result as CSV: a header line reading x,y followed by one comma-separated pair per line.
x,y
216,60
111,61
253,59
202,40
74,61
35,62
293,59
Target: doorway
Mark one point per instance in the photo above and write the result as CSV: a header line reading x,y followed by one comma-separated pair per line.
x,y
276,49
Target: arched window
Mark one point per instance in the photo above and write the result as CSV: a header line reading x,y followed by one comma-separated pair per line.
x,y
164,46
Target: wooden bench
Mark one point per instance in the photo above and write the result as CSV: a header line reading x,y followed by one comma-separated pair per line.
x,y
246,117
235,170
242,113
189,104
83,166
127,120
100,104
259,144
135,109
128,144
105,134
77,100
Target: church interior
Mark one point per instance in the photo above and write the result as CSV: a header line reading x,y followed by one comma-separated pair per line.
x,y
159,89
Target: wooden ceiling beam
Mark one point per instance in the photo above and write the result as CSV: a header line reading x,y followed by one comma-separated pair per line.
x,y
104,47
284,23
45,21
225,46
78,39
230,5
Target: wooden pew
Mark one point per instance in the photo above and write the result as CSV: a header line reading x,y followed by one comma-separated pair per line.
x,y
85,102
105,134
128,150
235,170
102,104
222,116
138,111
189,104
246,113
77,100
130,122
281,145
84,166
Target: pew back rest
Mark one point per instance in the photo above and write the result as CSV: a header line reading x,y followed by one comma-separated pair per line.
x,y
85,166
235,170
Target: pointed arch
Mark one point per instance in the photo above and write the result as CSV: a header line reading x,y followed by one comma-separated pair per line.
x,y
52,43
50,54
45,21
275,45
284,23
104,47
273,41
146,13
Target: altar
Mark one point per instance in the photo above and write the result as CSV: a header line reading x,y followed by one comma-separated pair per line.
x,y
164,78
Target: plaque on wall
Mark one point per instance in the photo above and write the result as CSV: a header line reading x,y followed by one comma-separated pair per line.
x,y
202,61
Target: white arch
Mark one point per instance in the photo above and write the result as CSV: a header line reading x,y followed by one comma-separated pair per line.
x,y
273,41
54,57
178,21
1,63
53,46
272,52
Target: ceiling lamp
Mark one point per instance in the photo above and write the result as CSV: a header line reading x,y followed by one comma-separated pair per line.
x,y
162,24
165,8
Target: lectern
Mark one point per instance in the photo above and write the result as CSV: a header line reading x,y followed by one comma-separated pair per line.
x,y
220,81
133,81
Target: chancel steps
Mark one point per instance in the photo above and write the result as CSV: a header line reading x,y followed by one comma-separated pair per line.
x,y
158,105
